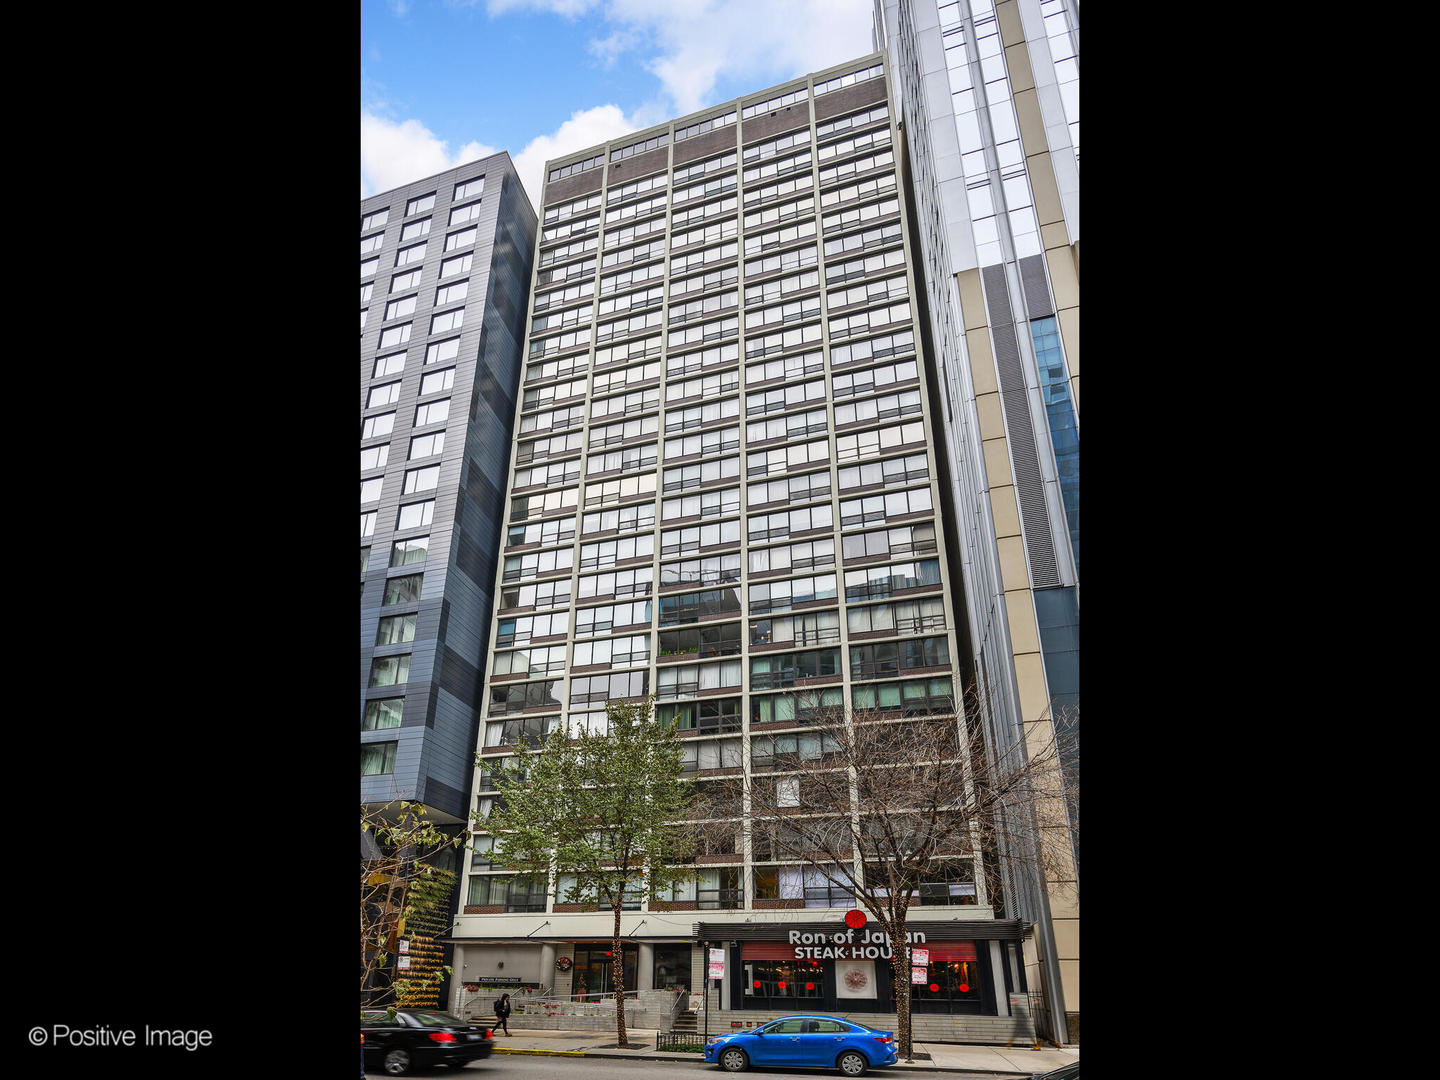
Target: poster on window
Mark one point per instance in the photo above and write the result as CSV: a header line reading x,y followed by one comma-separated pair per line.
x,y
917,975
855,979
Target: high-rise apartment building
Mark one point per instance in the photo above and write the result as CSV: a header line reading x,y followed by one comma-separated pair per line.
x,y
444,265
989,98
726,492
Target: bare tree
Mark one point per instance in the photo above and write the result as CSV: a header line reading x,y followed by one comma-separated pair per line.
x,y
888,807
402,892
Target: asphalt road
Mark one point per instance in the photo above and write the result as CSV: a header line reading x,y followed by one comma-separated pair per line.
x,y
538,1067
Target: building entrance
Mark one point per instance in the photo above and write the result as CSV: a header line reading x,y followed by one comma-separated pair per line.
x,y
595,965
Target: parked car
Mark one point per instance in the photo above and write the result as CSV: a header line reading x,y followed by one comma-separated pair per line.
x,y
817,1042
419,1037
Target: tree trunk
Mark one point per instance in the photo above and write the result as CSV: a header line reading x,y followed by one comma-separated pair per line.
x,y
902,1006
617,980
900,967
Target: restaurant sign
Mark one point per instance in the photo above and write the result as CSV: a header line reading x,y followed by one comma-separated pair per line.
x,y
848,944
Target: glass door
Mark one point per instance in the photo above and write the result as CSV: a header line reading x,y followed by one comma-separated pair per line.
x,y
594,969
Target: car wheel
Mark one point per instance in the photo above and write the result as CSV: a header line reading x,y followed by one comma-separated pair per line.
x,y
734,1060
397,1062
852,1063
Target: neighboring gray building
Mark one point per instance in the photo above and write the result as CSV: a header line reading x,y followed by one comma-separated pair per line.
x,y
988,94
445,266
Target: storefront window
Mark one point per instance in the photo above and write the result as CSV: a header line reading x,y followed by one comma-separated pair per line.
x,y
954,986
783,981
672,967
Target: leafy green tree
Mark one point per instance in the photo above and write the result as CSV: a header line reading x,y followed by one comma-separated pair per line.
x,y
605,808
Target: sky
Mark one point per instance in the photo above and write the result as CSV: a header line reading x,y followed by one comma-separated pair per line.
x,y
443,82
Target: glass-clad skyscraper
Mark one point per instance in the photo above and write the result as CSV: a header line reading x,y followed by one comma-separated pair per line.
x,y
989,98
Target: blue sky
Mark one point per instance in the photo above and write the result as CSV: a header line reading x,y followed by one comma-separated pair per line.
x,y
446,81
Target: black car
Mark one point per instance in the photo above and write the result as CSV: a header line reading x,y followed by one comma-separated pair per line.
x,y
1064,1072
420,1037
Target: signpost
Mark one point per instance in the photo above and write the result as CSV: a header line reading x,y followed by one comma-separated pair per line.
x,y
714,969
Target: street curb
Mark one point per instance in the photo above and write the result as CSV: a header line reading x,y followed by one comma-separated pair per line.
x,y
540,1053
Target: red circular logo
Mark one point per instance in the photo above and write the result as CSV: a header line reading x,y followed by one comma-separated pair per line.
x,y
757,984
809,986
964,988
855,919
781,984
934,988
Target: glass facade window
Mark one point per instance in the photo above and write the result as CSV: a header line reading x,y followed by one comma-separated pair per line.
x,y
1060,414
396,629
389,670
384,713
467,188
377,759
403,590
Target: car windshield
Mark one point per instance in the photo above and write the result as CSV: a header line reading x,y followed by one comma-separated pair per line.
x,y
438,1019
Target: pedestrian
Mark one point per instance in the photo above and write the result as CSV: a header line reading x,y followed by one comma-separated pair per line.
x,y
502,1013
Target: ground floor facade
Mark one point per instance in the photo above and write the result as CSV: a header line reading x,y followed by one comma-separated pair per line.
x,y
765,962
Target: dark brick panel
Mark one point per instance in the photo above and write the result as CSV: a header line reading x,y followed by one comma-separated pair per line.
x,y
790,118
573,187
851,99
707,145
657,160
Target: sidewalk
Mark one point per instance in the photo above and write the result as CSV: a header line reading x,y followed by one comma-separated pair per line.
x,y
944,1057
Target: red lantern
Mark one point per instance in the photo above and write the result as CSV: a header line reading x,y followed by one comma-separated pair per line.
x,y
934,988
757,984
964,988
809,986
781,984
855,918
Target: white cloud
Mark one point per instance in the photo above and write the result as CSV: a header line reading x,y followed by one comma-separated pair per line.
x,y
392,154
569,8
584,128
685,44
759,41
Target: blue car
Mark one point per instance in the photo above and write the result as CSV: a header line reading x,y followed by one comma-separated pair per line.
x,y
818,1042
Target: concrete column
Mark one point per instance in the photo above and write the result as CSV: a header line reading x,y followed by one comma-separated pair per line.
x,y
997,976
645,967
547,964
457,980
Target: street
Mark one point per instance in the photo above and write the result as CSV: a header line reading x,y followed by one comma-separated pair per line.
x,y
540,1067
544,1067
